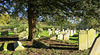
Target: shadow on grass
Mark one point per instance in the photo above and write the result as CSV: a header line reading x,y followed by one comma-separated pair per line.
x,y
76,39
9,39
37,44
1,47
75,35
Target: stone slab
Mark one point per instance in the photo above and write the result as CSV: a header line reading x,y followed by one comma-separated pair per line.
x,y
91,37
83,39
18,46
96,48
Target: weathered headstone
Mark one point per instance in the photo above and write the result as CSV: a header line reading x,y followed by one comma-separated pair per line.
x,y
66,36
74,31
53,37
96,47
63,31
60,37
91,37
23,35
56,32
87,29
71,32
9,30
68,30
50,32
26,29
15,30
18,46
83,39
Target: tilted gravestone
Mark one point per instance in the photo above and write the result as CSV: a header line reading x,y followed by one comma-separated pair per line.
x,y
53,37
96,47
83,39
18,46
91,37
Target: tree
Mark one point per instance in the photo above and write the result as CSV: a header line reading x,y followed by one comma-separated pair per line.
x,y
4,18
71,8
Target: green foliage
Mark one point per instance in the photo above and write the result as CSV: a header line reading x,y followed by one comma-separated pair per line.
x,y
4,18
16,53
45,33
7,52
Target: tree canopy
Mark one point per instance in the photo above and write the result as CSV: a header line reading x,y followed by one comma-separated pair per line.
x,y
64,9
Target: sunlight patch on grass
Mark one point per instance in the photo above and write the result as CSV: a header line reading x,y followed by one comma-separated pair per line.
x,y
45,33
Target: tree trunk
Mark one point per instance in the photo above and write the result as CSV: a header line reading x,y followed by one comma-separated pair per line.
x,y
31,19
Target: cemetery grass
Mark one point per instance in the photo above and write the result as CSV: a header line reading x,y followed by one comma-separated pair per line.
x,y
42,47
31,50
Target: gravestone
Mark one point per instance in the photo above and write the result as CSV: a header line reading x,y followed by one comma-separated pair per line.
x,y
63,31
74,31
96,47
50,32
83,39
26,29
91,37
53,37
9,30
87,29
68,30
66,36
23,35
71,32
60,37
18,46
15,30
56,32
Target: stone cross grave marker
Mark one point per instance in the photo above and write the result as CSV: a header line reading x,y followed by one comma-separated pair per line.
x,y
91,37
96,47
83,39
18,46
